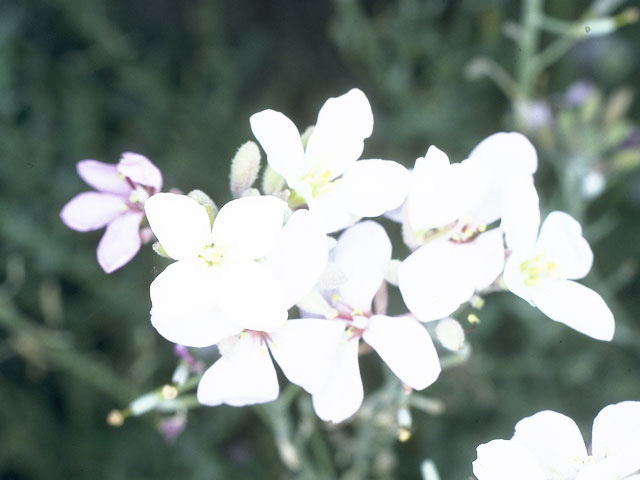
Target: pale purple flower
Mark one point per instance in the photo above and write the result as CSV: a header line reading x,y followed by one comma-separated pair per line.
x,y
117,204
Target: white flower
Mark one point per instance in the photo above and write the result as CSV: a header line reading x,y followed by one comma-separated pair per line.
x,y
472,193
243,272
245,374
322,355
326,174
445,217
549,446
542,270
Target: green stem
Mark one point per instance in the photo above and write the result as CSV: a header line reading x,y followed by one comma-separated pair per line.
x,y
531,16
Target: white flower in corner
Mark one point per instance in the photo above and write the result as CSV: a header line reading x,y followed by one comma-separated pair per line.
x,y
243,272
325,173
549,446
541,270
321,355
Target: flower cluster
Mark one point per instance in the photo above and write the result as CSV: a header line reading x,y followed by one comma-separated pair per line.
x,y
548,445
472,227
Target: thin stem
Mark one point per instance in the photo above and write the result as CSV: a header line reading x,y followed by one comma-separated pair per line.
x,y
531,15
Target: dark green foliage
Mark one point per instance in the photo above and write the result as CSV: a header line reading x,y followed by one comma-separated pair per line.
x,y
177,81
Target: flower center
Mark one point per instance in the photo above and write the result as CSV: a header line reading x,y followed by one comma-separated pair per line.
x,y
211,254
139,195
539,268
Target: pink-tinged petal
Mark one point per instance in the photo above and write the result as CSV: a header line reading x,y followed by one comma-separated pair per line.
x,y
249,294
406,347
280,139
120,242
434,280
243,376
249,227
184,308
576,306
338,137
506,460
521,215
104,177
303,348
299,256
554,440
372,187
342,393
329,210
362,253
92,210
562,243
180,223
616,437
140,170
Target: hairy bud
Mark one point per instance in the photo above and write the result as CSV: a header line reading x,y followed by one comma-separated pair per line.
x,y
244,168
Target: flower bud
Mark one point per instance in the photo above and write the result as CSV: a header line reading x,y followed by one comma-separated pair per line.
x,y
272,182
450,334
244,168
205,200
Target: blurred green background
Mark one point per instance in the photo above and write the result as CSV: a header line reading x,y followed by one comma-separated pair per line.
x,y
177,81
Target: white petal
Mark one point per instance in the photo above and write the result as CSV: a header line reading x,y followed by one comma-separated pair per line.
x,y
372,187
184,308
562,242
248,227
506,460
598,471
554,440
338,137
509,152
249,294
280,139
434,280
299,257
521,215
406,347
342,393
616,436
362,253
92,210
329,210
303,349
513,277
244,376
503,157
180,223
484,258
576,306
440,193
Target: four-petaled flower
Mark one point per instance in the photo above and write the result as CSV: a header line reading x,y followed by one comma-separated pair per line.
x,y
549,446
321,355
118,203
325,174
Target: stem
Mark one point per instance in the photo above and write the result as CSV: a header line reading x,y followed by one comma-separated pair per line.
x,y
531,16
